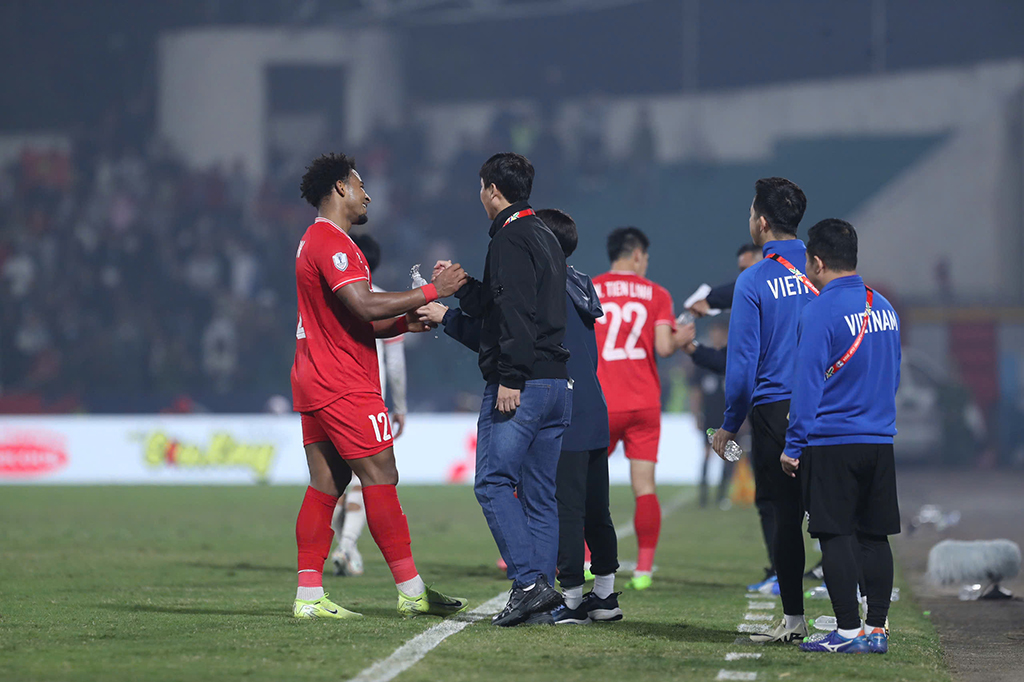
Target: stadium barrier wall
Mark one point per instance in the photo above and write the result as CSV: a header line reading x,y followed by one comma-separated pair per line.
x,y
251,449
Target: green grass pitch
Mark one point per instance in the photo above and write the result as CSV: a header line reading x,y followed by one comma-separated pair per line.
x,y
180,583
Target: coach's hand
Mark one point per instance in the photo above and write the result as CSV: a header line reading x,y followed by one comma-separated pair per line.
x,y
700,308
432,313
416,324
683,337
721,438
789,465
450,280
508,400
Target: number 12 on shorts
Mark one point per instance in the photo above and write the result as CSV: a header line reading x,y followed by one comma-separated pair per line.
x,y
381,426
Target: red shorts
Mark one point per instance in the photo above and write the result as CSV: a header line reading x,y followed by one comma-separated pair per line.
x,y
356,424
641,431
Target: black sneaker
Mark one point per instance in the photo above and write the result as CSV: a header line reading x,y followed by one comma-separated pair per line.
x,y
606,609
522,604
815,573
539,618
563,615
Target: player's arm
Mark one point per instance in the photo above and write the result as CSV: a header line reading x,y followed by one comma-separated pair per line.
x,y
372,306
387,329
742,354
667,335
814,346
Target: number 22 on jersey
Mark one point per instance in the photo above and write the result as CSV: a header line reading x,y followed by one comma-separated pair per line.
x,y
633,314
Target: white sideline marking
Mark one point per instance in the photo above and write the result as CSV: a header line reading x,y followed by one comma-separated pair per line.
x,y
735,675
760,605
413,651
758,616
747,627
735,656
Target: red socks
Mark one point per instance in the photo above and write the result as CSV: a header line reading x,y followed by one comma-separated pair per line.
x,y
647,523
313,535
390,530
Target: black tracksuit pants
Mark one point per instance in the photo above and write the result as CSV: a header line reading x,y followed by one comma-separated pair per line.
x,y
582,494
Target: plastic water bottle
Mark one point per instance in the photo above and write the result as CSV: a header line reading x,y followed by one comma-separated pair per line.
x,y
826,623
732,450
685,317
417,278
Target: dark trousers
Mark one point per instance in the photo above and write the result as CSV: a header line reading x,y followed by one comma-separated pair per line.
x,y
865,559
769,422
582,492
520,452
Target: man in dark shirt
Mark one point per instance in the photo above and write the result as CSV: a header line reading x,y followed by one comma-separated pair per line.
x,y
582,481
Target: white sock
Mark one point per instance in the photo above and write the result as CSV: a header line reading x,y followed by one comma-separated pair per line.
x,y
527,589
604,585
412,588
573,597
793,622
309,593
355,520
850,634
639,574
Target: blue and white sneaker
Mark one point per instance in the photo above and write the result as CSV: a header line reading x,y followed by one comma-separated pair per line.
x,y
765,586
563,615
833,643
598,609
878,641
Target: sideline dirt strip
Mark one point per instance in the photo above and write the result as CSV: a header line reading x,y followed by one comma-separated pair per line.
x,y
413,651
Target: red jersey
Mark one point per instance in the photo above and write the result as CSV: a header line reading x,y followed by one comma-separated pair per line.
x,y
335,351
627,366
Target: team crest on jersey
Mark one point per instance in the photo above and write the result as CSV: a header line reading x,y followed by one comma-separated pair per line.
x,y
341,261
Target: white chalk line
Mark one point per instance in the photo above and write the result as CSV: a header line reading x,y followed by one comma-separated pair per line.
x,y
736,656
413,651
758,616
760,605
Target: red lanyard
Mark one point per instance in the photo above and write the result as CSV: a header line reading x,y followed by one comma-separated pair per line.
x,y
792,268
519,214
856,342
863,327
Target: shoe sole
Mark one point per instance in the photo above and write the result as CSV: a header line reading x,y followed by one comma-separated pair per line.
x,y
574,621
539,619
606,615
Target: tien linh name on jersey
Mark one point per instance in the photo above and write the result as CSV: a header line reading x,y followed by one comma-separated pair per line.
x,y
618,288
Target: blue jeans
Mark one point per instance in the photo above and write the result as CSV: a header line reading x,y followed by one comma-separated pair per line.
x,y
521,453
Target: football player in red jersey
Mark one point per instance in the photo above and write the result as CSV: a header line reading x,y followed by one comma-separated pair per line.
x,y
638,322
336,387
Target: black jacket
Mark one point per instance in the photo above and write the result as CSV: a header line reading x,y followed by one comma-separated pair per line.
x,y
520,302
712,359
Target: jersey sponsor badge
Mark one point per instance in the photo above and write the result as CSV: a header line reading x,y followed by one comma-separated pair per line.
x,y
341,261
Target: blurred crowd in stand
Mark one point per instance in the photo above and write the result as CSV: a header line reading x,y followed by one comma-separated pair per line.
x,y
131,281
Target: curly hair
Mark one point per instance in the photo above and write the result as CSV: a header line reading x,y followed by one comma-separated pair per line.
x,y
321,175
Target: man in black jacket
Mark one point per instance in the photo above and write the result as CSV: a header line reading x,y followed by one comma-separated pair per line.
x,y
528,400
582,481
